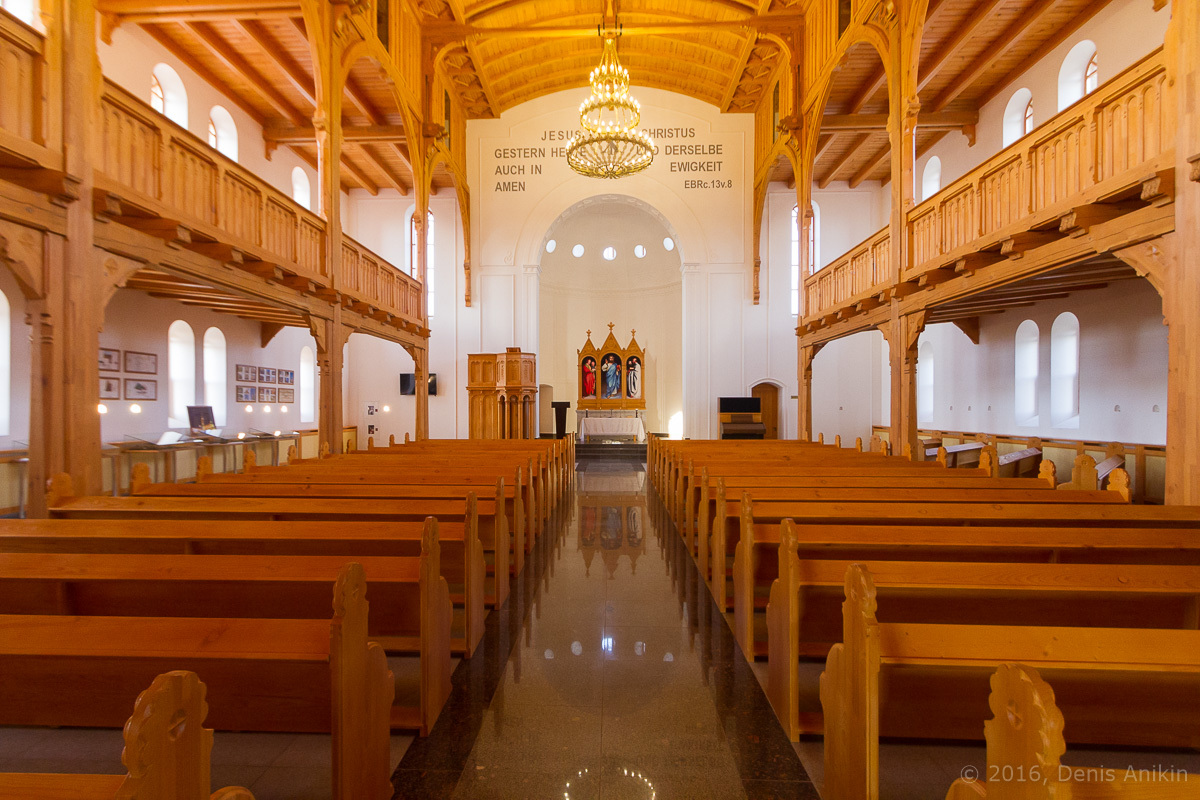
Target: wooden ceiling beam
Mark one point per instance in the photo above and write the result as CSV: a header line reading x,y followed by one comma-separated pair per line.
x,y
735,77
1063,33
994,51
963,34
289,134
226,7
300,80
234,60
200,68
485,81
946,120
443,31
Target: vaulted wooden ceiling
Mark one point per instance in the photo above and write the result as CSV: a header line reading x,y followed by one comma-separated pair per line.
x,y
971,50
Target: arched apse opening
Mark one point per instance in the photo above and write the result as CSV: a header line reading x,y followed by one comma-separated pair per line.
x,y
588,292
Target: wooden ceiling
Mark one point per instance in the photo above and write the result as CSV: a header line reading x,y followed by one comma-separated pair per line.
x,y
1095,273
971,50
172,287
692,47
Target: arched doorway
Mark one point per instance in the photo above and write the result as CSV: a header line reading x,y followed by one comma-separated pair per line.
x,y
613,258
768,395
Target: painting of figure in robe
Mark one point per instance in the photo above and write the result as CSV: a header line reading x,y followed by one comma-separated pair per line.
x,y
610,368
633,378
588,378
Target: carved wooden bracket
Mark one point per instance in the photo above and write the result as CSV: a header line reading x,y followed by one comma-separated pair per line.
x,y
1153,260
1195,162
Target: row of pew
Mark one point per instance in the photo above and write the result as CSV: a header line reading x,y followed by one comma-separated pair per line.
x,y
258,582
805,543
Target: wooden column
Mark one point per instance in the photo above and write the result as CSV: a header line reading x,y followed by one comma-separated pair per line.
x,y
902,334
64,434
421,368
804,429
330,361
1181,301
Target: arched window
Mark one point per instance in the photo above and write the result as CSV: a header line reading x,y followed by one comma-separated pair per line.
x,y
925,374
430,267
24,10
173,101
1091,75
301,189
215,373
1064,371
931,178
1018,116
307,385
1025,373
1072,76
222,132
5,365
181,373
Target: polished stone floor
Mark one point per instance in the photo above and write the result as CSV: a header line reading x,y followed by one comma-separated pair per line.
x,y
611,674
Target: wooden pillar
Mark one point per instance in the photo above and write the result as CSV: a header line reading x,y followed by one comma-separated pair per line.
x,y
804,429
902,334
1181,301
64,433
421,367
330,361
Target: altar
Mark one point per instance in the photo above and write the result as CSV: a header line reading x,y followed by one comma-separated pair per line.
x,y
611,403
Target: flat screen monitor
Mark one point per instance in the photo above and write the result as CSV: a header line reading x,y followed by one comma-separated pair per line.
x,y
408,383
739,405
432,384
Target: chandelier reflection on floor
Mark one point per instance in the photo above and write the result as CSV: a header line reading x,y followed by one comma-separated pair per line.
x,y
610,145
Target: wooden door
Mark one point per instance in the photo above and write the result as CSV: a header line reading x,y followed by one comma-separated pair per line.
x,y
768,395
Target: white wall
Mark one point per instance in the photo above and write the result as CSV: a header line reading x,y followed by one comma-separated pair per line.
x,y
136,321
849,216
1124,31
846,382
1122,364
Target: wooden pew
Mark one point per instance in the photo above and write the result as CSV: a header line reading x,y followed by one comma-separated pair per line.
x,y
462,561
265,675
1020,463
1025,746
1127,686
725,534
957,455
494,534
166,754
408,613
967,582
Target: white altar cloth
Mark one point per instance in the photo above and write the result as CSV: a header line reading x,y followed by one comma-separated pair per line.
x,y
612,426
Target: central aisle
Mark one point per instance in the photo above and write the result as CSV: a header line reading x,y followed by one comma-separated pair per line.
x,y
609,673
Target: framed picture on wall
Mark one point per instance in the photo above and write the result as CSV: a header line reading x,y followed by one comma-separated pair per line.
x,y
141,363
287,395
110,360
246,373
266,394
140,389
287,377
110,388
266,374
245,394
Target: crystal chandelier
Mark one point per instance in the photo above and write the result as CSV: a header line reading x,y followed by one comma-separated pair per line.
x,y
610,145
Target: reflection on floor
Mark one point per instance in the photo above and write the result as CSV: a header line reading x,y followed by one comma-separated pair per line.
x,y
610,674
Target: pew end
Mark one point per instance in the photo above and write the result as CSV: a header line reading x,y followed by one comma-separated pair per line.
x,y
204,466
139,478
59,489
249,459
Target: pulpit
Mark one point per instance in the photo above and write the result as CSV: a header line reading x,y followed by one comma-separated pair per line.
x,y
501,395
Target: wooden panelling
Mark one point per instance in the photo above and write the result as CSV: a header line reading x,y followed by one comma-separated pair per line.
x,y
22,81
861,272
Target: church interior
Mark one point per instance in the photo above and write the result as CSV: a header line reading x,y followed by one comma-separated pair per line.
x,y
658,399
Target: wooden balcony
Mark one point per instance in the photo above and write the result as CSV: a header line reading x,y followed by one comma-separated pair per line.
x,y
27,122
1105,156
155,176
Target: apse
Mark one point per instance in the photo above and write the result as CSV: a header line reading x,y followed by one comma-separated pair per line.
x,y
613,258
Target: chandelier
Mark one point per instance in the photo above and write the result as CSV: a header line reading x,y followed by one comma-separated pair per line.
x,y
610,145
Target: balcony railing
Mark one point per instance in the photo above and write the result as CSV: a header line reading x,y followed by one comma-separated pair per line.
x,y
24,118
1097,151
156,175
